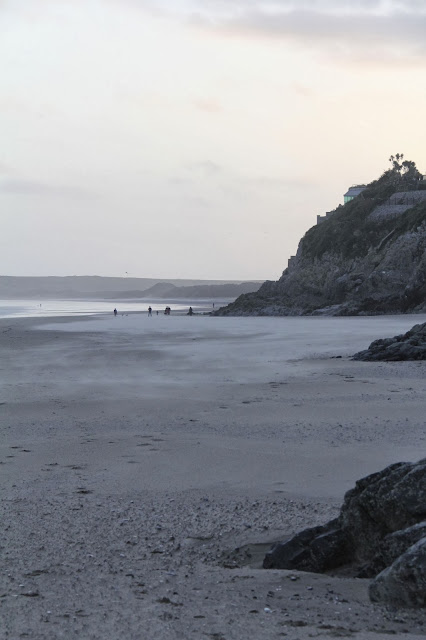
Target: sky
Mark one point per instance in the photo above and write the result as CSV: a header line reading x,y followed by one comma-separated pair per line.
x,y
196,138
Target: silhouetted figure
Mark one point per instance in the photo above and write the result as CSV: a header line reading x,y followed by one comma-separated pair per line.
x,y
157,312
167,311
115,312
149,311
190,312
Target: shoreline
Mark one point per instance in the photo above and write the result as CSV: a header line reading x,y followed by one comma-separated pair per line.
x,y
136,458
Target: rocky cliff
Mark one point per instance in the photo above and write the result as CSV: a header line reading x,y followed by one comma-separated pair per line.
x,y
367,257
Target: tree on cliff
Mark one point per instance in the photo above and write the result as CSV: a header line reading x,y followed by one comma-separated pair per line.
x,y
404,168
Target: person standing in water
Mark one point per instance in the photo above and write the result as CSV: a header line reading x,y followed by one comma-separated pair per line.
x,y
115,312
149,311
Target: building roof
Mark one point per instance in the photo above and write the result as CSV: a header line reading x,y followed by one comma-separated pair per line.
x,y
354,191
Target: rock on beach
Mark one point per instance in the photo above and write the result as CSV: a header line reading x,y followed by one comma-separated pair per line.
x,y
409,346
404,582
382,522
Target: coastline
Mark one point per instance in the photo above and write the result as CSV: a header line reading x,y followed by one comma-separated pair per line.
x,y
124,509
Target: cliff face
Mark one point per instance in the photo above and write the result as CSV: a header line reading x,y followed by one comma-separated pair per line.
x,y
368,257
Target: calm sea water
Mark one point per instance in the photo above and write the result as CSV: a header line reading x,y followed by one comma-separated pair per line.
x,y
49,308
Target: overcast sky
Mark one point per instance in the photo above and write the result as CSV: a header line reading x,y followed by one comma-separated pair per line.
x,y
196,138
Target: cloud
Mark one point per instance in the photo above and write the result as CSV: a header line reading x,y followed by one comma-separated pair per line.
x,y
239,181
218,7
206,167
215,11
281,183
207,104
22,187
197,202
373,29
194,173
368,29
316,25
5,169
302,90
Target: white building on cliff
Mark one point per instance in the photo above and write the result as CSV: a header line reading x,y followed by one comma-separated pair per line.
x,y
354,191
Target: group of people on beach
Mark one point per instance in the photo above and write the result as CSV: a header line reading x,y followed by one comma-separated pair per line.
x,y
167,311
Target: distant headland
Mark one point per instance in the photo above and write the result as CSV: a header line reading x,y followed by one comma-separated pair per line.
x,y
98,287
366,257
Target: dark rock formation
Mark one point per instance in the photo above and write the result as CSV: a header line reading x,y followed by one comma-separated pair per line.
x,y
391,547
316,549
367,257
409,346
404,582
381,518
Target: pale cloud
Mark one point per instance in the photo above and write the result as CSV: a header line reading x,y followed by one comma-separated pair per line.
x,y
197,202
379,30
302,90
281,183
376,30
226,175
206,167
193,173
406,30
218,10
326,6
23,187
208,105
5,169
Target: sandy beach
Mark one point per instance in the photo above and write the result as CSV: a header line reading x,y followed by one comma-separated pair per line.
x,y
148,463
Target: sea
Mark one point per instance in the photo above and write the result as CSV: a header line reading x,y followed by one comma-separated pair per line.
x,y
86,306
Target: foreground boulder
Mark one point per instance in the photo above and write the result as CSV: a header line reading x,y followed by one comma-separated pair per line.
x,y
404,582
391,547
316,549
382,517
409,346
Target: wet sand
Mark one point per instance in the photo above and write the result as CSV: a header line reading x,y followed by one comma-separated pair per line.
x,y
137,454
